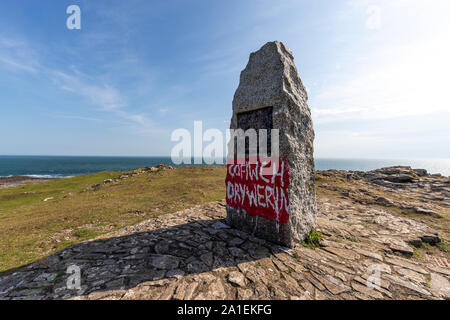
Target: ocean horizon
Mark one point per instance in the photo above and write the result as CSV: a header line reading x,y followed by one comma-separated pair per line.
x,y
67,166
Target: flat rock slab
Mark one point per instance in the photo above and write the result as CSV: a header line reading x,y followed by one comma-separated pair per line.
x,y
164,262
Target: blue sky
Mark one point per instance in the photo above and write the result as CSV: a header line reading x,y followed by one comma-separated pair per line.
x,y
376,73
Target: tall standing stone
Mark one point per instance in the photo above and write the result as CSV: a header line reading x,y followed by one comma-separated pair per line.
x,y
271,96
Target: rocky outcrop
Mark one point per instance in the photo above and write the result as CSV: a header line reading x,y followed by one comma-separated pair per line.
x,y
401,187
130,174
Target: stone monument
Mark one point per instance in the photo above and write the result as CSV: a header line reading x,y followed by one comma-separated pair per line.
x,y
280,206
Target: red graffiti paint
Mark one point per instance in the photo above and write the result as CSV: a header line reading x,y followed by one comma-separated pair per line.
x,y
257,190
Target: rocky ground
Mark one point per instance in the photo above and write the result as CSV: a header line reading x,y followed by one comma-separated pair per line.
x,y
383,232
10,182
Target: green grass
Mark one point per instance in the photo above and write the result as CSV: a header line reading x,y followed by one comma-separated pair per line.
x,y
428,280
443,246
313,240
31,229
85,233
12,198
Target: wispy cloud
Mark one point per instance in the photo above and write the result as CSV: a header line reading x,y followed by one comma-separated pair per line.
x,y
19,55
105,96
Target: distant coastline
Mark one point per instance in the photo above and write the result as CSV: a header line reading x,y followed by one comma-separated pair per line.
x,y
51,167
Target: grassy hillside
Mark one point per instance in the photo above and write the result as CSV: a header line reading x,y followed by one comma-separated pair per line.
x,y
31,228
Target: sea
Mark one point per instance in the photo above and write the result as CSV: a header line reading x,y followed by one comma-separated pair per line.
x,y
67,166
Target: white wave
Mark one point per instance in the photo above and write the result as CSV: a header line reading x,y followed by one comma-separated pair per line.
x,y
47,176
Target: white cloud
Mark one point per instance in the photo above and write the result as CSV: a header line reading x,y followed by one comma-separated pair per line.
x,y
392,82
16,55
108,98
373,21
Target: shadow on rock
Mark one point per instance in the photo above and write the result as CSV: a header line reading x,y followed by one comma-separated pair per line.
x,y
121,263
